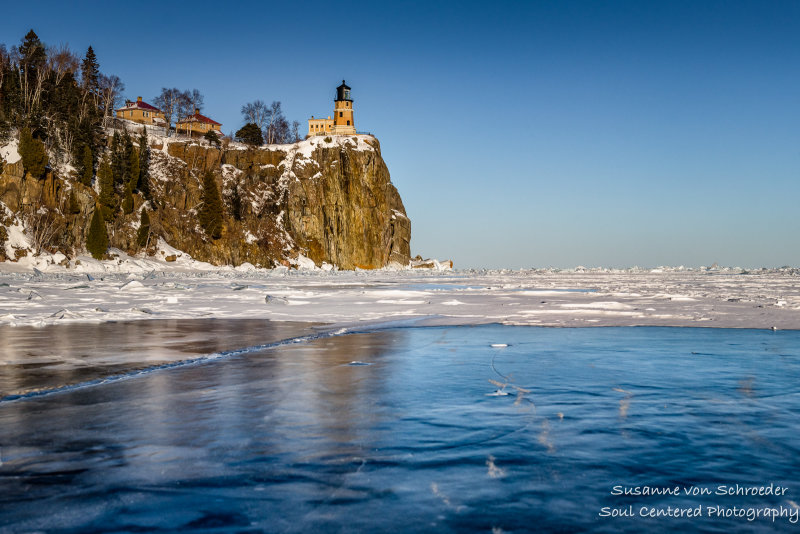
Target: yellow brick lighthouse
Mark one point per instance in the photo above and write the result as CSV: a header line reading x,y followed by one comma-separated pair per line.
x,y
342,122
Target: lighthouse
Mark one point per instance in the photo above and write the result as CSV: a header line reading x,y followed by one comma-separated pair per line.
x,y
343,123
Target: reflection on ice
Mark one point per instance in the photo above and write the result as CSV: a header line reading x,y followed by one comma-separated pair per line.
x,y
301,438
36,359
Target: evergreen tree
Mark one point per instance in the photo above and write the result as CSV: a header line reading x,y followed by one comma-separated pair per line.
x,y
144,229
97,240
90,71
127,202
87,132
105,178
250,133
212,137
211,211
121,157
133,165
33,153
5,123
126,147
143,184
87,163
32,54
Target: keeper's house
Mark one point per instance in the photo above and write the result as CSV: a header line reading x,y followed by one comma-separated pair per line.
x,y
141,112
197,124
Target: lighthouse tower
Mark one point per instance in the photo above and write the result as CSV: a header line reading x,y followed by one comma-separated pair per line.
x,y
343,123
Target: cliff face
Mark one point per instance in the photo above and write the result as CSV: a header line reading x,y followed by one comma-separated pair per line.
x,y
330,201
342,208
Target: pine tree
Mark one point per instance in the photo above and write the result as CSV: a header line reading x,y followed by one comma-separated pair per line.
x,y
88,166
33,153
126,148
97,240
211,211
90,70
105,177
212,137
250,134
144,229
143,183
133,165
32,54
127,202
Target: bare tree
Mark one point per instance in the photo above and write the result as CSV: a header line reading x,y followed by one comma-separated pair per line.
x,y
274,126
185,108
111,88
31,72
44,226
256,113
282,130
61,61
273,117
194,100
186,102
170,102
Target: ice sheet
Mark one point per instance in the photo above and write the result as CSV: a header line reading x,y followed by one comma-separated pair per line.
x,y
763,299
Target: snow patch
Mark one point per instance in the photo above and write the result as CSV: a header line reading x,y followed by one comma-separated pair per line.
x,y
9,152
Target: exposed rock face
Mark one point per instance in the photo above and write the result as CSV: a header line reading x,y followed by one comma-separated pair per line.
x,y
342,208
330,201
25,196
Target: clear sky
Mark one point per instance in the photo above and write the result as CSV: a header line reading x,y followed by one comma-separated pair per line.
x,y
519,134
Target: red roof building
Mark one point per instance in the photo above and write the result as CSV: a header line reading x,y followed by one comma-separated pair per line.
x,y
141,112
197,124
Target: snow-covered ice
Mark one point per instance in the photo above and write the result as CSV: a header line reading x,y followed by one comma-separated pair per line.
x,y
130,288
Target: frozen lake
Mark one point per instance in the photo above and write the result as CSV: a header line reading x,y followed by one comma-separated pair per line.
x,y
405,429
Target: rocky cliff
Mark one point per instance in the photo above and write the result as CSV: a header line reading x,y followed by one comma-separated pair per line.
x,y
329,199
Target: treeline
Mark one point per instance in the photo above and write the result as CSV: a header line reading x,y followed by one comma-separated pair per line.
x,y
64,100
58,104
56,101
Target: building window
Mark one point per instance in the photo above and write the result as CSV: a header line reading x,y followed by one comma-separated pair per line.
x,y
348,123
340,113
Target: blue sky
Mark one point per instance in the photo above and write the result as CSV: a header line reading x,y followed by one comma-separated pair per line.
x,y
519,134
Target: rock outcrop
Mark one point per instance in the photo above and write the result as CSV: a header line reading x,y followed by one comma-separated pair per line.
x,y
329,199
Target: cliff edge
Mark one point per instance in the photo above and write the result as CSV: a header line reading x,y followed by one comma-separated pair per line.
x,y
328,199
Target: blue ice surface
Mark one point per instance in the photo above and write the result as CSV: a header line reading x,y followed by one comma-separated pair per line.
x,y
294,438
